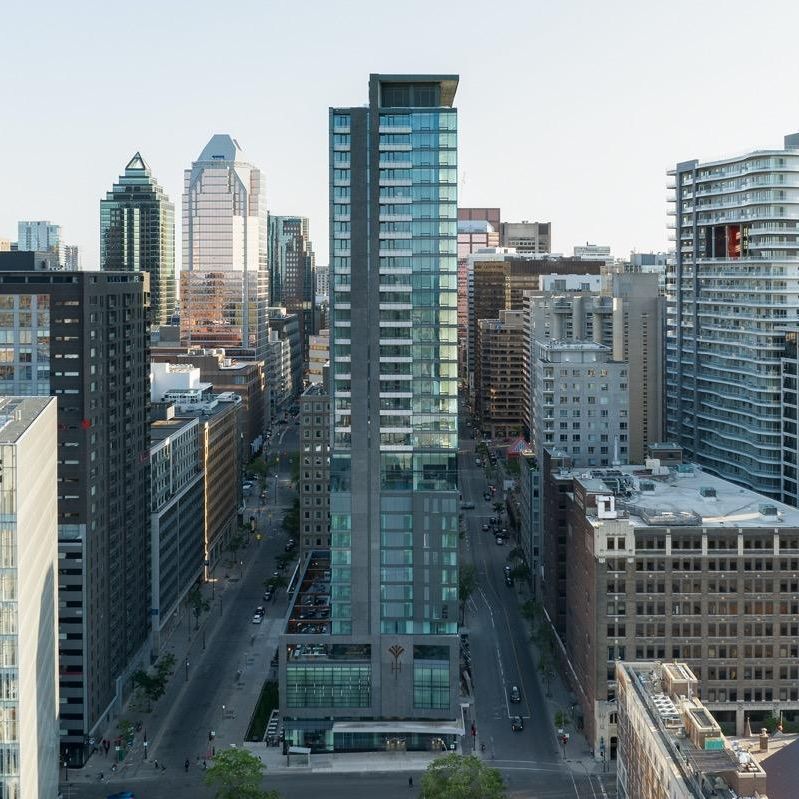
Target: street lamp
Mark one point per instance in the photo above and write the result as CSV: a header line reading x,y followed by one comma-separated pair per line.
x,y
187,669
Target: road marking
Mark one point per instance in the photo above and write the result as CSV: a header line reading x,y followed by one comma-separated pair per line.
x,y
499,653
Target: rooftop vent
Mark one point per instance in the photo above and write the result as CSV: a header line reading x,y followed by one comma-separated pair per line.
x,y
707,492
767,510
646,485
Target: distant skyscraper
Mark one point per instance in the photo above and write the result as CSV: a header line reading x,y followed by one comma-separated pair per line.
x,y
292,272
71,258
30,566
137,234
391,649
39,236
593,252
732,295
84,337
322,281
224,282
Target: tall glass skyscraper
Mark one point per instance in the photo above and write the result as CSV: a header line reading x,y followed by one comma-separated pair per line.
x,y
137,234
224,282
394,482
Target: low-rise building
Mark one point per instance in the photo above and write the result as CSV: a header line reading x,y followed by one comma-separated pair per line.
x,y
176,514
670,745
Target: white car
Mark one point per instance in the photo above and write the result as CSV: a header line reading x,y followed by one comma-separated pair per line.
x,y
257,618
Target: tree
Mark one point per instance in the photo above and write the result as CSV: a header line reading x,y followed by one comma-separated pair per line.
x,y
517,553
499,507
520,572
153,685
546,669
561,719
237,774
291,519
457,777
199,605
273,583
235,543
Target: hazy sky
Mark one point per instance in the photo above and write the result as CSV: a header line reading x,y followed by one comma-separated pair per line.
x,y
569,111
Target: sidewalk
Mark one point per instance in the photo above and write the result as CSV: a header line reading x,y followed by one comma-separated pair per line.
x,y
184,642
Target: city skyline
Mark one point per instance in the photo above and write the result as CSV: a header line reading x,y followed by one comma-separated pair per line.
x,y
623,106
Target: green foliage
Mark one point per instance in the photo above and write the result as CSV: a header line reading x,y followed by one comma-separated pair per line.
x,y
153,684
291,520
126,731
294,466
562,719
512,466
276,582
237,774
258,468
520,572
199,604
467,582
499,507
457,777
237,541
546,668
517,553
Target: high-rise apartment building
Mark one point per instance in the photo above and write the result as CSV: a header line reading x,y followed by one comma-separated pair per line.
x,y
137,234
531,238
29,566
669,742
84,338
292,272
71,257
733,290
387,651
224,281
39,236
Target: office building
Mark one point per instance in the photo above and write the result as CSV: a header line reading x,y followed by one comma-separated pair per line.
x,y
314,468
287,327
665,561
177,389
224,280
527,238
39,236
499,397
29,551
84,338
224,374
318,356
137,234
670,744
380,668
626,314
277,364
478,228
292,273
733,290
5,245
500,279
176,515
593,252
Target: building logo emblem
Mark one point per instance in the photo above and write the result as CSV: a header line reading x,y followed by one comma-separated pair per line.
x,y
396,651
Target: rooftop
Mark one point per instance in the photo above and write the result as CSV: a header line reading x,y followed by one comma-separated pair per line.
x,y
656,495
310,613
17,414
315,390
689,733
162,429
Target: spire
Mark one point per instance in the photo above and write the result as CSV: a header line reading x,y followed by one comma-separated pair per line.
x,y
137,162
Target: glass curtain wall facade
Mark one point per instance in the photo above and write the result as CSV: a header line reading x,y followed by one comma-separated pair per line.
x,y
732,292
224,288
137,234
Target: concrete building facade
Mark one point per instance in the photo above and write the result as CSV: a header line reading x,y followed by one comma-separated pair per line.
x,y
314,468
29,756
668,561
84,338
534,238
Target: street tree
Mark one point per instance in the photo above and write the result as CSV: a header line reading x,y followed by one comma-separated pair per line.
x,y
237,774
546,669
517,553
153,684
499,507
274,583
467,582
199,605
236,542
561,719
457,777
520,572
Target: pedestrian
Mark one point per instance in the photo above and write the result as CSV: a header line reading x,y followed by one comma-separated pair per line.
x,y
186,765
205,765
410,782
155,763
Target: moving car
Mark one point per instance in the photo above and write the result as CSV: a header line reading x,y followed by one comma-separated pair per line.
x,y
500,541
467,505
515,694
485,528
516,723
478,462
267,595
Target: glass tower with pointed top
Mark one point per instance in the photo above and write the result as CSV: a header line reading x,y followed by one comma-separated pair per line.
x,y
137,234
224,281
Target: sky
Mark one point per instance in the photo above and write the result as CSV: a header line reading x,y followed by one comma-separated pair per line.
x,y
569,111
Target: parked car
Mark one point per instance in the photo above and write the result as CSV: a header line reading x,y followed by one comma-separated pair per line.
x,y
257,618
478,462
260,610
289,546
507,569
516,723
467,505
515,694
267,595
508,581
485,528
500,541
